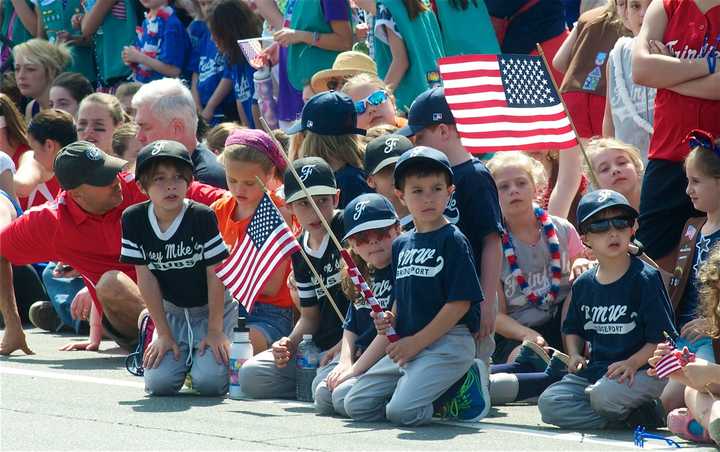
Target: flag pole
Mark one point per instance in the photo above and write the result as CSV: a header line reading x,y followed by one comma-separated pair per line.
x,y
392,336
593,177
309,264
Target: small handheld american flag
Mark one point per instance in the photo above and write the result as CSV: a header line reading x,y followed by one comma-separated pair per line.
x,y
267,242
365,290
675,360
505,103
252,48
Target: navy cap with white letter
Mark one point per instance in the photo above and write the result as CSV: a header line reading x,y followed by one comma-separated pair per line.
x,y
366,212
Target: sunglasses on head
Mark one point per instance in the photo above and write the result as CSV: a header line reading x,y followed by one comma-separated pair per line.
x,y
618,223
364,237
376,98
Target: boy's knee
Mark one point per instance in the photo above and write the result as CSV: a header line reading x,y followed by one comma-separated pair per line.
x,y
323,400
249,379
550,406
208,377
606,400
355,406
111,285
400,414
158,384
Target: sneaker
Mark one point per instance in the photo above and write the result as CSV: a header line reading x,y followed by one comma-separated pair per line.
x,y
42,315
650,415
557,367
681,423
560,355
134,361
471,401
532,355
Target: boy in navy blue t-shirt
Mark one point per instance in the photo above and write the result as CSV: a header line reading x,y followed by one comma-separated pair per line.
x,y
435,287
622,309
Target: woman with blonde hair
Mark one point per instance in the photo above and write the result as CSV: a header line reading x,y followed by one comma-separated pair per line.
x,y
37,63
98,117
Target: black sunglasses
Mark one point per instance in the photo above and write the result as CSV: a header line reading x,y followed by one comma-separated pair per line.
x,y
618,223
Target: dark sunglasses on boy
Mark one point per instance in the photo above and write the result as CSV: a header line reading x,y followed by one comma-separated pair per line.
x,y
377,98
364,237
617,223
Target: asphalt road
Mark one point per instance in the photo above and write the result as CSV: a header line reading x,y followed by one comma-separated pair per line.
x,y
87,401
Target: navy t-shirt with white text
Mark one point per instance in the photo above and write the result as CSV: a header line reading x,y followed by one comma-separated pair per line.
x,y
358,318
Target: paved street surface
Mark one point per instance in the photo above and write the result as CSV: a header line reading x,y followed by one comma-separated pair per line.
x,y
88,401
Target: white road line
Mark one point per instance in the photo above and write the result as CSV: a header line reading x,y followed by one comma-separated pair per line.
x,y
574,437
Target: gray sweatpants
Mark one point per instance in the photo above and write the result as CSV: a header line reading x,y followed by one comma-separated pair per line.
x,y
189,326
574,403
405,395
329,402
260,378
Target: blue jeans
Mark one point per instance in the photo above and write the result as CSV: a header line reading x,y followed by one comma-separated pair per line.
x,y
61,292
272,321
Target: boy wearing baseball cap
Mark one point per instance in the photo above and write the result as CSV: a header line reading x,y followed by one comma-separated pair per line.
x,y
175,245
474,206
381,155
271,374
435,287
621,308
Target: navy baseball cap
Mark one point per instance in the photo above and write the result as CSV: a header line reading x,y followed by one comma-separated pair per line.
x,y
428,109
383,151
82,162
328,113
596,201
161,149
425,154
316,175
368,211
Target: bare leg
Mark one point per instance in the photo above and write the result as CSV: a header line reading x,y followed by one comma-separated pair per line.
x,y
14,337
672,396
258,341
121,302
705,410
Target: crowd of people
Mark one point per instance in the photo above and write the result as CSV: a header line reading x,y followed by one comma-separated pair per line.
x,y
138,140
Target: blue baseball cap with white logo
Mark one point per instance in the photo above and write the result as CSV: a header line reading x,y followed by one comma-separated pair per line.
x,y
428,109
328,113
425,154
384,151
596,201
366,212
316,175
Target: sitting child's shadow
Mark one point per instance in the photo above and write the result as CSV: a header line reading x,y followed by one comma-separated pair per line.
x,y
177,403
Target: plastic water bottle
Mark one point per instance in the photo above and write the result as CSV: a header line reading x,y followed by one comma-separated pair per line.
x,y
266,101
307,360
240,351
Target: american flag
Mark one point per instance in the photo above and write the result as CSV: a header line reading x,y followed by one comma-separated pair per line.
x,y
267,242
673,361
505,103
252,48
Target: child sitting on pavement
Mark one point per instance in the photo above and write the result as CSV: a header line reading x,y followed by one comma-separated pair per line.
x,y
622,309
175,245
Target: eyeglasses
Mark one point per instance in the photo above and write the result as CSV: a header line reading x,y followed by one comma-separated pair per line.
x,y
618,223
376,98
365,237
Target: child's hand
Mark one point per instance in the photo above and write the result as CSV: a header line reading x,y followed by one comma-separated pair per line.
x,y
282,351
576,363
488,315
661,350
534,336
383,321
402,351
207,114
695,329
622,371
157,349
88,346
131,54
219,344
580,266
81,304
339,374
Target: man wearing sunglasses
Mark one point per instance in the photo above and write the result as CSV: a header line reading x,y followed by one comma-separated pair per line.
x,y
622,309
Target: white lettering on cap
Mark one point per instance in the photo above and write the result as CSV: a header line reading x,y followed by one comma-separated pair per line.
x,y
390,144
604,195
306,171
437,116
359,208
92,153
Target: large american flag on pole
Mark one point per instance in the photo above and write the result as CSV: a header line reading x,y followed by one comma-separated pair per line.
x,y
268,240
505,103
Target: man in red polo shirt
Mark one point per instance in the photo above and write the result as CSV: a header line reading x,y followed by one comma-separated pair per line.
x,y
82,228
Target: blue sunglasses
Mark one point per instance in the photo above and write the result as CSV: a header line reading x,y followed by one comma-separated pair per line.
x,y
376,98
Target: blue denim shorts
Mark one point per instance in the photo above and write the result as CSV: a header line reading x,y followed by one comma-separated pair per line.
x,y
272,321
702,347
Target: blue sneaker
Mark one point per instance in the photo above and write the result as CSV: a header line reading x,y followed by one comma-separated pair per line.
x,y
471,401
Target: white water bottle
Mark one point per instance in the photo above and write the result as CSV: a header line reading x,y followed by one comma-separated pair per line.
x,y
240,351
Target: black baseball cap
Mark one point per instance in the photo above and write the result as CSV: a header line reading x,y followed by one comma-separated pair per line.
x,y
316,175
328,113
427,155
384,151
82,162
161,149
368,211
428,109
596,201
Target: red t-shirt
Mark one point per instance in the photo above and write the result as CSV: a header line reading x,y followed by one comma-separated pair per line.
x,y
46,191
689,34
62,231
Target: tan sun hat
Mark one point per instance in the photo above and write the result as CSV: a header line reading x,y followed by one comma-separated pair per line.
x,y
346,64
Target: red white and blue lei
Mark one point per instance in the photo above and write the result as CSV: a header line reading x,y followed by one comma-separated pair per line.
x,y
555,261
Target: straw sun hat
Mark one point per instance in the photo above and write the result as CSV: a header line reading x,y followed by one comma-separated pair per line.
x,y
346,64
